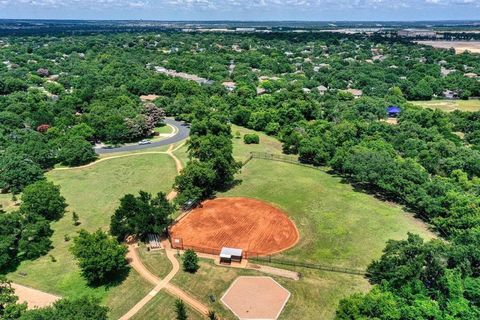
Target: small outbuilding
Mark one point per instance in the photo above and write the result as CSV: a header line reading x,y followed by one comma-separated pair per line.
x,y
393,111
227,255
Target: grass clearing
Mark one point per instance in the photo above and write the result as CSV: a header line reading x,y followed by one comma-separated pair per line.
x,y
210,280
166,129
6,203
123,297
314,296
93,193
162,306
450,105
337,225
241,150
156,261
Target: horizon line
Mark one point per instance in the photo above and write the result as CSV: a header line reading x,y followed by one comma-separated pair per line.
x,y
240,20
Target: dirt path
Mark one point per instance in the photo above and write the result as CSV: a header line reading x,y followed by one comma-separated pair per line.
x,y
33,297
164,283
185,297
137,264
160,284
178,164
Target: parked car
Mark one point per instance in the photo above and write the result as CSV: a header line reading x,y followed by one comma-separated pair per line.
x,y
144,142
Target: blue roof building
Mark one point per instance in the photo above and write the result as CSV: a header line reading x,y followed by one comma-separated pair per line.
x,y
393,111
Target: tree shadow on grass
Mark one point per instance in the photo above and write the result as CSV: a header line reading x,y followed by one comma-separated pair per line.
x,y
113,280
229,186
387,198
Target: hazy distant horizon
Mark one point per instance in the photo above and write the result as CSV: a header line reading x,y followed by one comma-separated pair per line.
x,y
250,21
247,10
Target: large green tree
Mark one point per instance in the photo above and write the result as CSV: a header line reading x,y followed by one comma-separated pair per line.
x,y
17,171
141,215
43,198
100,257
75,151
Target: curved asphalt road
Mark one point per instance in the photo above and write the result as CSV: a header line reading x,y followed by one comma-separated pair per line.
x,y
183,131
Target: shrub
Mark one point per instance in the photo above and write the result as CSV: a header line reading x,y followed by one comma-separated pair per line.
x,y
251,138
190,261
181,310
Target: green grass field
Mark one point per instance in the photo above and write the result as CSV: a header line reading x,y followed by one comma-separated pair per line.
x,y
314,296
337,225
123,297
156,261
450,105
241,151
210,280
164,129
94,193
162,306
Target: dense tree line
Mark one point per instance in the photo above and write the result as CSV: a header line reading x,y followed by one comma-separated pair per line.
x,y
212,166
25,233
139,216
59,95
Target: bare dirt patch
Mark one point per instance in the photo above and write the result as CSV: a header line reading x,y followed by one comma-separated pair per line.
x,y
256,298
248,224
34,298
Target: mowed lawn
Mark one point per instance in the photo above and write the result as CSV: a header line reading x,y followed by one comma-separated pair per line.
x,y
94,193
156,261
241,151
337,225
314,296
162,306
450,105
211,281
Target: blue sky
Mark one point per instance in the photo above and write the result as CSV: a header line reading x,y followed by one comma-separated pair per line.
x,y
314,10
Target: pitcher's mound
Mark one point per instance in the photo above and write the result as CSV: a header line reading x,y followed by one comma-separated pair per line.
x,y
252,225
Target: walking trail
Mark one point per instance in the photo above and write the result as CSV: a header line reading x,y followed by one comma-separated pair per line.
x,y
164,283
160,284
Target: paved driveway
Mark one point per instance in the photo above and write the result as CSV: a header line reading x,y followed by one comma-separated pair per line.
x,y
183,131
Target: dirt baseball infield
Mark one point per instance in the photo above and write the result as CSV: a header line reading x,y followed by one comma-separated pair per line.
x,y
248,224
